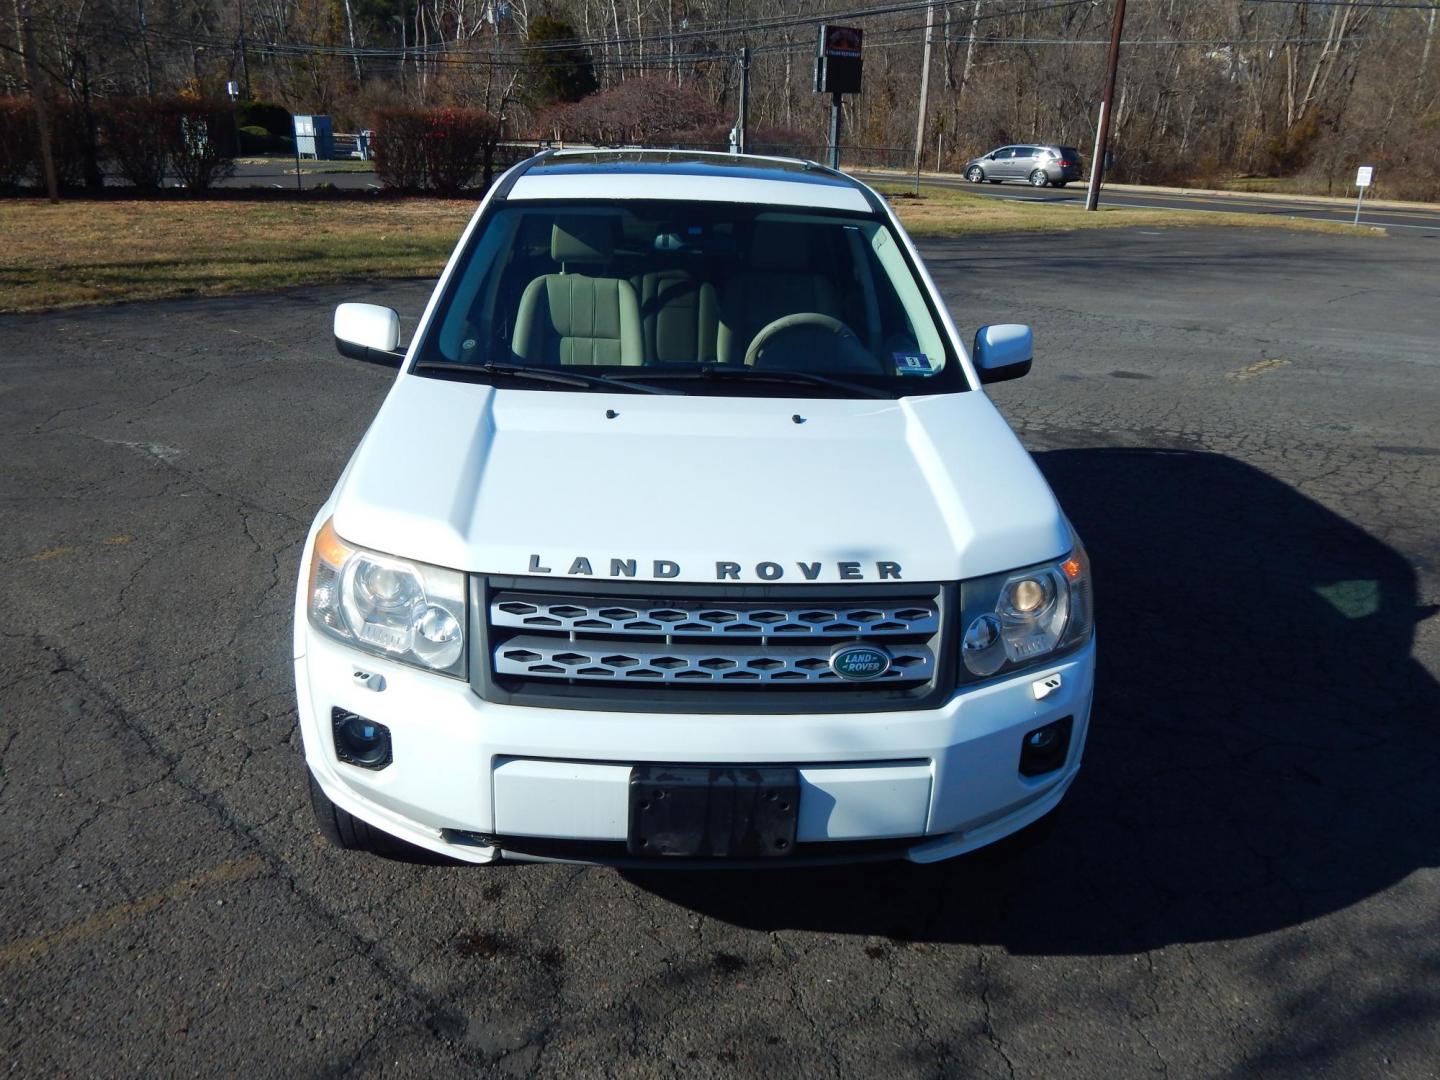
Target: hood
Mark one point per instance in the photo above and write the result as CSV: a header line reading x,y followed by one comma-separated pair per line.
x,y
699,489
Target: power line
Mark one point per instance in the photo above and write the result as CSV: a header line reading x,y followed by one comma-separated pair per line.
x,y
1390,5
722,29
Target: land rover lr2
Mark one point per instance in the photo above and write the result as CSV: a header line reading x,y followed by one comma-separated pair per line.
x,y
686,536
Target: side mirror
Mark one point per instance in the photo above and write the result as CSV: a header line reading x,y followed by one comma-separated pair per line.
x,y
1003,351
368,332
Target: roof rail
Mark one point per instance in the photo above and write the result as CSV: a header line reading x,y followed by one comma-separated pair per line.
x,y
515,172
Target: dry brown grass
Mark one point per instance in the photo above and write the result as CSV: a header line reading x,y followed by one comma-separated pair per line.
x,y
944,211
103,252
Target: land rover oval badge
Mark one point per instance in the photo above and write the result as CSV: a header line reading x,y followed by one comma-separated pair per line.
x,y
859,662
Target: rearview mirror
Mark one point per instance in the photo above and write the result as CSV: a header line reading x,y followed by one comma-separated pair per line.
x,y
1003,351
368,332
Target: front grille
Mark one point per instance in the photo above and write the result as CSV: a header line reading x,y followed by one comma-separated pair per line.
x,y
729,662
672,647
606,617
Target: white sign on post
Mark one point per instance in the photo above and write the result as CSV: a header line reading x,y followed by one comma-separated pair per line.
x,y
1363,176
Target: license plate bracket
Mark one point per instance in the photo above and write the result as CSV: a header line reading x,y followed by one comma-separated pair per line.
x,y
702,811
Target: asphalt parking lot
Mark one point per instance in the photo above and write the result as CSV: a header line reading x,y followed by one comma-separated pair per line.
x,y
1245,426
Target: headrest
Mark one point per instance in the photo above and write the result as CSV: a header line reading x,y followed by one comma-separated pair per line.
x,y
780,245
582,239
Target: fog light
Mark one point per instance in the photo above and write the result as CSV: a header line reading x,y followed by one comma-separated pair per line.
x,y
359,741
1046,748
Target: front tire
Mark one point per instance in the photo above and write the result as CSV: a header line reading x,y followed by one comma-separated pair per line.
x,y
1038,178
349,833
975,174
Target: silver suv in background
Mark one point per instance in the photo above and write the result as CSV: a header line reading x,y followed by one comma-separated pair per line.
x,y
1039,166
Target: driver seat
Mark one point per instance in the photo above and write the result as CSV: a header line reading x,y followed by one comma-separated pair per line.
x,y
780,280
574,317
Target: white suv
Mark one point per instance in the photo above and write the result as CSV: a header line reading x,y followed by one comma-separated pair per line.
x,y
687,536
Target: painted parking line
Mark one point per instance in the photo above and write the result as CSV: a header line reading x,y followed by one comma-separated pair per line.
x,y
1260,367
102,922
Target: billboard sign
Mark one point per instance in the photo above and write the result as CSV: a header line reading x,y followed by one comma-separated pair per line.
x,y
841,41
837,60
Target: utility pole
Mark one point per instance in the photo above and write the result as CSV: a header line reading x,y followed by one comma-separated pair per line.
x,y
37,99
741,140
835,131
924,90
1102,132
244,55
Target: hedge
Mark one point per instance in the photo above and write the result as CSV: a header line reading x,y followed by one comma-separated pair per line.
x,y
71,146
143,140
442,150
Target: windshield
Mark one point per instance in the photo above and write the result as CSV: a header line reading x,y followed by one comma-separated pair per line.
x,y
701,297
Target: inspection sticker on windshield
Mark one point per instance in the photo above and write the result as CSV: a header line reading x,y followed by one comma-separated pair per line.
x,y
913,364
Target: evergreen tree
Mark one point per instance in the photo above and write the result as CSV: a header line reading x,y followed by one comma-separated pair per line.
x,y
558,74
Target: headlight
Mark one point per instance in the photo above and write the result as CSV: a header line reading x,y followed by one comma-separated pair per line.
x,y
407,611
1023,617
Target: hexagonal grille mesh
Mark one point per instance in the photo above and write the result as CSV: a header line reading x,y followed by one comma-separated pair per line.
x,y
696,642
593,616
718,664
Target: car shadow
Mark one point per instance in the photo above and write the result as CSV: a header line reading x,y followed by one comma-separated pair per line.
x,y
1252,760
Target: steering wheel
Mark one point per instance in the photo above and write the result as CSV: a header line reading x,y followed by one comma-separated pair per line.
x,y
787,323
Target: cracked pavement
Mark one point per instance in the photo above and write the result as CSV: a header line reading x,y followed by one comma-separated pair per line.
x,y
1244,880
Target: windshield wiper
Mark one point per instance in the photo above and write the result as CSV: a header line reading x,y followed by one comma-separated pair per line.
x,y
550,375
748,374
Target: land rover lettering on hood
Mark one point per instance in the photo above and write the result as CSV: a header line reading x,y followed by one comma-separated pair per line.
x,y
687,536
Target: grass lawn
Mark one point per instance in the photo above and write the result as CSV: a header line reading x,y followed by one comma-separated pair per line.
x,y
946,211
105,252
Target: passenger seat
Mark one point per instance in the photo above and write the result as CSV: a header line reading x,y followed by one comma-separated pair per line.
x,y
573,317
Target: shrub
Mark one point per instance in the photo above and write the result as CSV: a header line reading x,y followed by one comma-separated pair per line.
x,y
70,143
256,140
459,145
444,150
273,119
640,111
400,148
19,142
136,140
202,141
778,139
146,138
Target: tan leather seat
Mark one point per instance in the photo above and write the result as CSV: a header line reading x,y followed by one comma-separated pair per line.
x,y
780,280
574,317
680,319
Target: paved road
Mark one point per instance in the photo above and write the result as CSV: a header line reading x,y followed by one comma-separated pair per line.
x,y
1421,221
280,173
1247,881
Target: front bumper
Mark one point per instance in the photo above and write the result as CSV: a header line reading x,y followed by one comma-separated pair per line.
x,y
923,785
